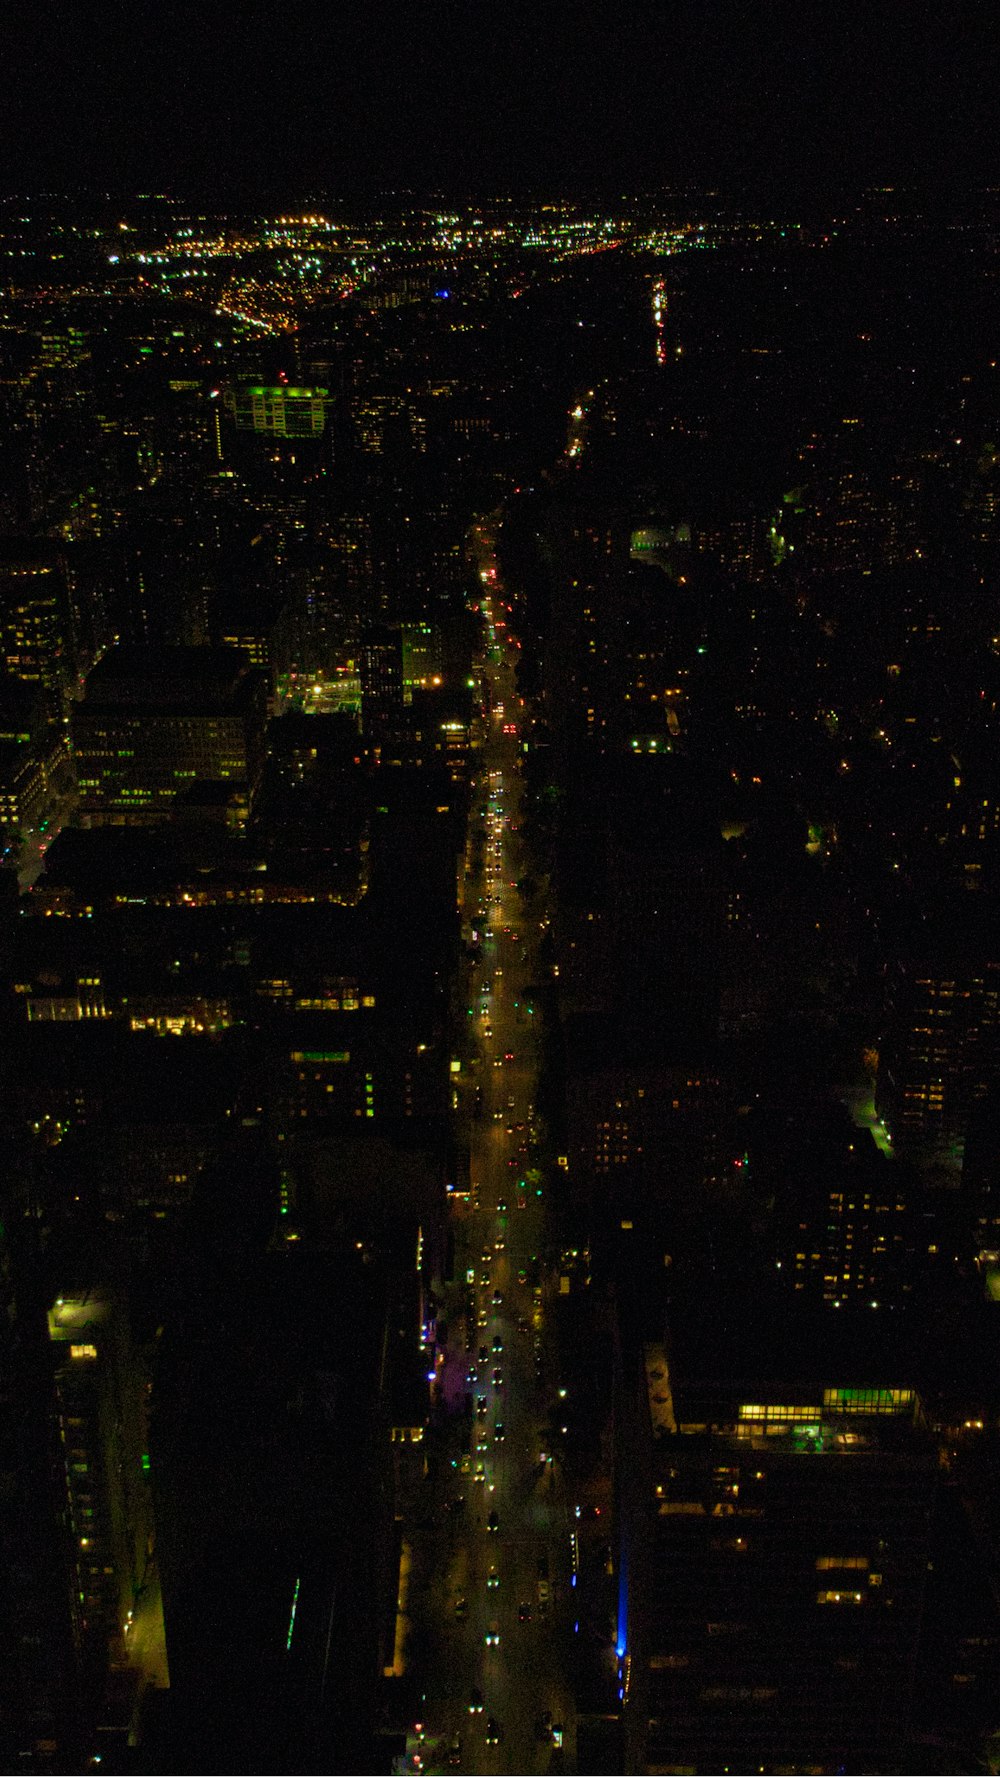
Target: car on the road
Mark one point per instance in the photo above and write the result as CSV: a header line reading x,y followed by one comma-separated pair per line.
x,y
481,1406
461,1609
498,1379
472,1375
493,1522
480,1474
494,1731
492,1636
484,1280
497,1343
497,1299
475,1702
557,1733
524,1613
484,1354
492,1580
498,1431
455,1750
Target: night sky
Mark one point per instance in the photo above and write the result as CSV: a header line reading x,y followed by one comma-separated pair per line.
x,y
268,95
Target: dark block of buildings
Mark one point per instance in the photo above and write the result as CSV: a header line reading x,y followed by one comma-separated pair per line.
x,y
157,723
272,1465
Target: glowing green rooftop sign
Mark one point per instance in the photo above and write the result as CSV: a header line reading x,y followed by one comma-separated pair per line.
x,y
278,411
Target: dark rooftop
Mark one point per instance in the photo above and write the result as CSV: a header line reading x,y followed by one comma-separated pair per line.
x,y
166,676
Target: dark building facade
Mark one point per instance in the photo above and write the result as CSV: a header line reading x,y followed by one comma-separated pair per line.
x,y
774,1547
158,726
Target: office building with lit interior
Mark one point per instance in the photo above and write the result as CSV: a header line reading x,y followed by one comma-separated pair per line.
x,y
774,1539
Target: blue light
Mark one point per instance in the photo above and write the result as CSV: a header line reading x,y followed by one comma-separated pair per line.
x,y
442,294
573,1580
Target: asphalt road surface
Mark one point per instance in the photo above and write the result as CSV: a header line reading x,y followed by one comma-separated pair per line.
x,y
511,1581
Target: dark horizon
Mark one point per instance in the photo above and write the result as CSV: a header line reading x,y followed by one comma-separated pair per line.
x,y
788,100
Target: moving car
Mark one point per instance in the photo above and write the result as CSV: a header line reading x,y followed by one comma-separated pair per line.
x,y
492,1636
476,1702
494,1731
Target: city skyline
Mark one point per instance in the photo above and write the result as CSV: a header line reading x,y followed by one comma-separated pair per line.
x,y
500,899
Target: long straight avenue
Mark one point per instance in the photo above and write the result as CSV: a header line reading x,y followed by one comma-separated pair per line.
x,y
491,1616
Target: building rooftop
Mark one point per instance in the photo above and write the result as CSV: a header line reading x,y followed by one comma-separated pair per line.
x,y
165,677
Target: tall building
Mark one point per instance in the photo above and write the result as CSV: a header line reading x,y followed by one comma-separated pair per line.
x,y
278,411
941,1049
36,620
159,728
381,685
775,1505
100,1409
272,1468
845,1214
